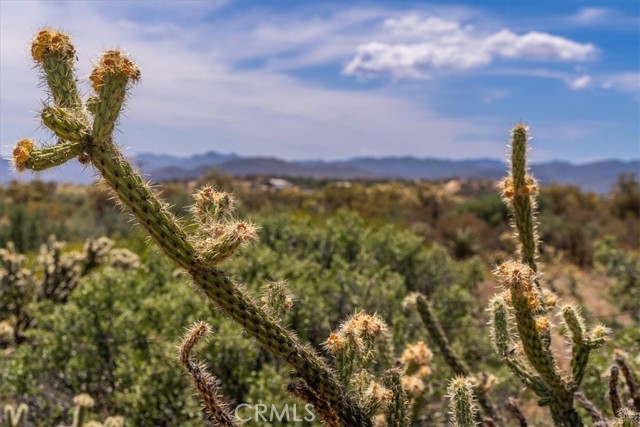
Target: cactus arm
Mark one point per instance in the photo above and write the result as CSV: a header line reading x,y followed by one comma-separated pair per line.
x,y
397,410
55,155
439,338
463,407
501,339
590,408
513,407
55,53
214,408
523,203
614,396
583,343
630,379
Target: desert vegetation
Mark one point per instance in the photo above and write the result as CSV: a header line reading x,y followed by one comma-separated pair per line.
x,y
366,303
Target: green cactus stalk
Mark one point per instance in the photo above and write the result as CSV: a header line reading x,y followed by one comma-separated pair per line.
x,y
503,343
16,416
111,79
527,351
214,408
455,362
519,191
463,405
397,415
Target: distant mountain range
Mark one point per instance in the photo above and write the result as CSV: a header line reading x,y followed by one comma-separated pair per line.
x,y
597,176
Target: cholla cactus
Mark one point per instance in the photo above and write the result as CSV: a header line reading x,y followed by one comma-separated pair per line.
x,y
15,416
54,276
86,130
123,258
17,287
359,345
527,349
354,343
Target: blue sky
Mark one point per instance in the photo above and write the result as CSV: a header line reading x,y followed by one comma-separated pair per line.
x,y
332,80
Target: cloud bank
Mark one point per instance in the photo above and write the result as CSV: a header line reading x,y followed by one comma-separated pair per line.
x,y
443,45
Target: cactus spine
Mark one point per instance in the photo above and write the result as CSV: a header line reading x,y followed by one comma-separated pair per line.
x,y
112,77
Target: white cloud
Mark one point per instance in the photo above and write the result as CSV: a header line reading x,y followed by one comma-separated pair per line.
x,y
612,19
581,82
623,82
443,45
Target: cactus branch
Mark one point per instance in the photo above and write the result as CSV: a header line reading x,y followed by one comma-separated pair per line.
x,y
520,193
614,397
463,405
397,410
214,409
590,408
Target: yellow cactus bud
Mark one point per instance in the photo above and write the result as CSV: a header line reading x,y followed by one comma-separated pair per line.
x,y
335,343
113,62
47,41
21,153
417,354
543,325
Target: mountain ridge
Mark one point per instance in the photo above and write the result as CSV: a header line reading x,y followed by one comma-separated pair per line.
x,y
597,176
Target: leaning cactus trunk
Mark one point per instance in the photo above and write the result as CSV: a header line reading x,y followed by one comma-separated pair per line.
x,y
85,130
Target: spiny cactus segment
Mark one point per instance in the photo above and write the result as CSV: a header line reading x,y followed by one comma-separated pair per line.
x,y
463,405
214,408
